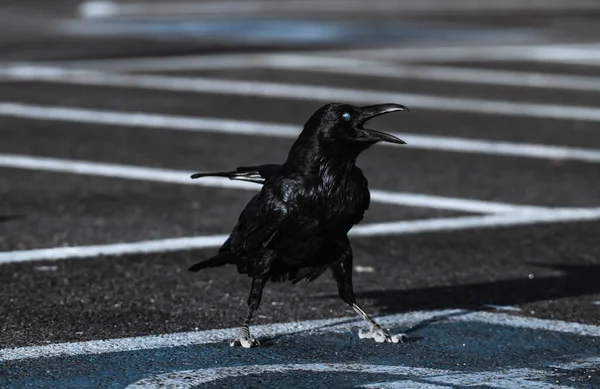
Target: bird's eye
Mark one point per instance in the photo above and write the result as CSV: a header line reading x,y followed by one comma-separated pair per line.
x,y
346,117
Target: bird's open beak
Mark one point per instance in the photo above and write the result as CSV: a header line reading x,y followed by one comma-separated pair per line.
x,y
371,111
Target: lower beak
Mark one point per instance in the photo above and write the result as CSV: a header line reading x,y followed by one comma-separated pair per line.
x,y
378,136
371,111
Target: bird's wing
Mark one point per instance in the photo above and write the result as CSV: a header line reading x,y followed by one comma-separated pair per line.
x,y
258,227
257,174
269,170
364,189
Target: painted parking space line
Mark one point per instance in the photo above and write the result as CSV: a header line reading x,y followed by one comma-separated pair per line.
x,y
407,320
171,176
94,251
477,222
562,53
193,62
449,348
151,64
111,9
502,215
252,128
587,54
520,79
307,92
344,65
95,9
365,230
410,377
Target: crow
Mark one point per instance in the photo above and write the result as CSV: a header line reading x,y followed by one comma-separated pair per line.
x,y
297,226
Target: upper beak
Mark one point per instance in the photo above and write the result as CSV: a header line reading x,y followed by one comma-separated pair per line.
x,y
371,111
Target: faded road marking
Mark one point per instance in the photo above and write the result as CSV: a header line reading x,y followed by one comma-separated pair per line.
x,y
304,92
240,127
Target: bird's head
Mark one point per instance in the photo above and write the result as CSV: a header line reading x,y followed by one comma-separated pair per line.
x,y
340,128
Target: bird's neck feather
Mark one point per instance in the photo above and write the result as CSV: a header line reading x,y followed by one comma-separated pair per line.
x,y
311,155
311,158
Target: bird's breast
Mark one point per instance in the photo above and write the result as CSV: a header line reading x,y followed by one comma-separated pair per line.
x,y
334,203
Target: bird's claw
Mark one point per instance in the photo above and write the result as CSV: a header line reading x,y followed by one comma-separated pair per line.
x,y
380,336
246,341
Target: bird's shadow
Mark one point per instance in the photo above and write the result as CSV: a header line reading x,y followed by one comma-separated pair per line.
x,y
574,280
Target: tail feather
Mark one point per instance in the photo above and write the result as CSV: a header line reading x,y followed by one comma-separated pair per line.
x,y
256,174
240,175
220,259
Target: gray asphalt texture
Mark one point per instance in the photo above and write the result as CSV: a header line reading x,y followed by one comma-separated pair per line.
x,y
549,271
454,353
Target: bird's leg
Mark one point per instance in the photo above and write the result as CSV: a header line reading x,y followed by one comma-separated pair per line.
x,y
342,272
375,331
244,339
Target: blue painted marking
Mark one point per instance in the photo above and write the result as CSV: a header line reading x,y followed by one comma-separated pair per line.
x,y
293,31
466,349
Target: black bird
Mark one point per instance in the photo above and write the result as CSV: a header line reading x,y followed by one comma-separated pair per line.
x,y
297,226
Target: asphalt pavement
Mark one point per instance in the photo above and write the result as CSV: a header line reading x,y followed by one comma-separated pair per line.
x,y
459,225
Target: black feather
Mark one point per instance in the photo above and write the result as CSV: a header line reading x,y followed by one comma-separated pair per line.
x,y
215,261
256,174
296,226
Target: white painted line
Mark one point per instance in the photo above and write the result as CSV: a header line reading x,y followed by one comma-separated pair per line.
x,y
183,177
579,54
305,92
117,171
523,150
449,74
500,379
185,338
110,9
341,65
149,64
447,203
364,269
99,9
148,120
568,53
150,342
352,66
175,63
471,222
191,62
511,320
188,379
81,252
403,384
580,364
228,126
45,268
502,307
96,347
366,230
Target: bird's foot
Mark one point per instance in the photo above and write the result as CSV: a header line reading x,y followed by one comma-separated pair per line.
x,y
244,339
380,336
